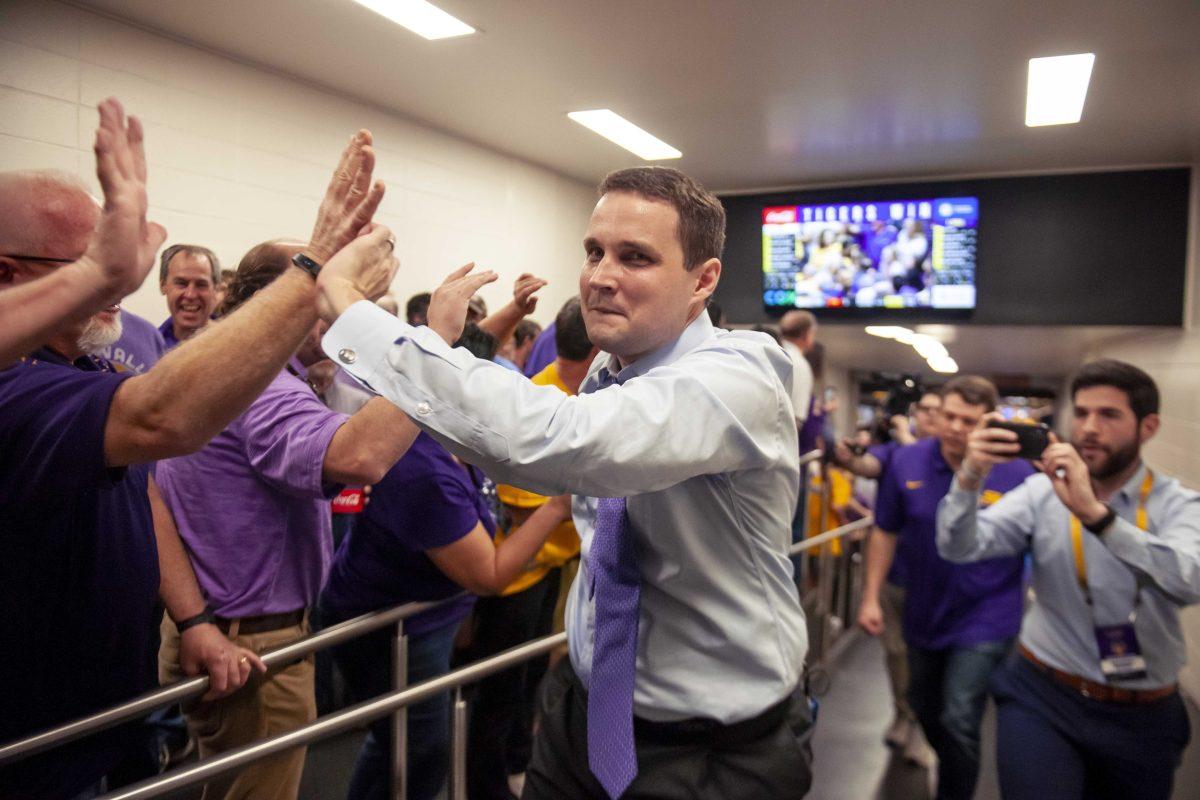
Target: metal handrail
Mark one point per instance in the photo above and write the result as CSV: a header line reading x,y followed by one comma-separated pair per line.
x,y
194,687
383,705
395,702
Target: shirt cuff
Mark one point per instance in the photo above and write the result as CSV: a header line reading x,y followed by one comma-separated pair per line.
x,y
361,338
1126,541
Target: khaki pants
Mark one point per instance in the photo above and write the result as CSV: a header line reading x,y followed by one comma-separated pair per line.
x,y
268,705
891,601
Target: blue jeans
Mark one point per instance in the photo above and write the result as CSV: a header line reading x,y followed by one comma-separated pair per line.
x,y
947,690
366,665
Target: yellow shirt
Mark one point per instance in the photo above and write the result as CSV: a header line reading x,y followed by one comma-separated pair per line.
x,y
563,542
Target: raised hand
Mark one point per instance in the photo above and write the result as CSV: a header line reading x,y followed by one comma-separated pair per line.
x,y
121,252
1072,482
350,200
523,292
448,308
362,270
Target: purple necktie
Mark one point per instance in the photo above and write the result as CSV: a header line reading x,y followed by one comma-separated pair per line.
x,y
615,583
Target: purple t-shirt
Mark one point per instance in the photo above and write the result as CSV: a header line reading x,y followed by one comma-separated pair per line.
x,y
426,500
253,507
544,351
79,608
139,348
883,453
947,605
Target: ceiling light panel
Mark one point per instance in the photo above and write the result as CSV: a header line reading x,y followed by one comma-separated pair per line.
x,y
420,17
620,131
1057,88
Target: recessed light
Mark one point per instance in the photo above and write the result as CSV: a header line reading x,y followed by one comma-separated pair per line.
x,y
889,331
1057,88
420,17
944,364
620,131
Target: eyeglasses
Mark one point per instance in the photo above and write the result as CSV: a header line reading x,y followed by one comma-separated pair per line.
x,y
39,258
927,409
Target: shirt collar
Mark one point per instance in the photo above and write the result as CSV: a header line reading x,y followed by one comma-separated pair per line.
x,y
167,329
698,331
84,363
1131,490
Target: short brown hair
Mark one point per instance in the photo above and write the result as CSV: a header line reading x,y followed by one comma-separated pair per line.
x,y
701,215
192,250
974,390
262,264
1138,387
797,324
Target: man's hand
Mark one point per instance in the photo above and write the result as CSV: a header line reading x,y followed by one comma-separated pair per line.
x,y
1071,480
448,308
901,431
121,252
523,292
362,270
350,200
870,616
561,505
987,447
204,648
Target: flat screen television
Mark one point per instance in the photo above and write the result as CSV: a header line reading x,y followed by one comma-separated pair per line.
x,y
886,256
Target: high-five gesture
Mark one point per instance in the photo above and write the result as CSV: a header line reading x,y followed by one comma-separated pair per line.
x,y
362,270
122,250
448,307
350,201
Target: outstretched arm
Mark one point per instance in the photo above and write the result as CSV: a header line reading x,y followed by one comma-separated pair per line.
x,y
202,385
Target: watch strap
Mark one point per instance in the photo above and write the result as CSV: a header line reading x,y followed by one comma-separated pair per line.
x,y
307,264
1102,524
204,617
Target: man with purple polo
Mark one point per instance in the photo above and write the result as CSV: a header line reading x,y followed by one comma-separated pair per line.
x,y
138,349
959,620
253,509
188,277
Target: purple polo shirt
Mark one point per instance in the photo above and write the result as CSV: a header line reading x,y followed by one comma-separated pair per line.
x,y
253,507
544,351
167,329
426,500
947,605
79,577
139,348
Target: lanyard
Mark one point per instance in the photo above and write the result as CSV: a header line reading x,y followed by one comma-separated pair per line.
x,y
1143,522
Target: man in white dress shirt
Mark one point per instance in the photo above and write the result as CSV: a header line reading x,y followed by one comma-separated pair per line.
x,y
682,454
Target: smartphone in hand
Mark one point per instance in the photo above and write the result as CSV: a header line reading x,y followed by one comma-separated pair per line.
x,y
1034,439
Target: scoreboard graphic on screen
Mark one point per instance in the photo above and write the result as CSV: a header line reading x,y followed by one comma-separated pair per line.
x,y
892,254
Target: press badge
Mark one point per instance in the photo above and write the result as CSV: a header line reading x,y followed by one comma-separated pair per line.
x,y
1120,656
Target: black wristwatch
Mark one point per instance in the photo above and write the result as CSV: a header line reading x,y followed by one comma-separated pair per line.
x,y
204,617
1102,524
307,264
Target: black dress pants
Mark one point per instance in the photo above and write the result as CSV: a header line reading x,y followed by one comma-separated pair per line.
x,y
766,758
502,708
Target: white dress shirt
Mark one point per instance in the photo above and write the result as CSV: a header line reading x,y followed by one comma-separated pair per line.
x,y
1059,629
802,381
699,435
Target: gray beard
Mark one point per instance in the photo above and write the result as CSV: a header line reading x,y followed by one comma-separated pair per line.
x,y
98,335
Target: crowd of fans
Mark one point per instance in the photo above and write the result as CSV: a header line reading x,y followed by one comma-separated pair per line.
x,y
169,500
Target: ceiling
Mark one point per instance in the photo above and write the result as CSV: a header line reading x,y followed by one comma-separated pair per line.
x,y
762,93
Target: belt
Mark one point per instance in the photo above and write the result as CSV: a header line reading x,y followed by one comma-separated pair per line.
x,y
1097,691
263,623
708,731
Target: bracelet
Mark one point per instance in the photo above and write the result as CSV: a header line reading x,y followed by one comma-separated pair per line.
x,y
204,617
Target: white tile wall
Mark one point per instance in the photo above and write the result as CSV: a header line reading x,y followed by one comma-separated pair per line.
x,y
238,155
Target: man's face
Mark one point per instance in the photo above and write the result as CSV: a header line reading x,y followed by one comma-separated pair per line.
x,y
191,295
957,419
1105,430
925,414
103,327
635,293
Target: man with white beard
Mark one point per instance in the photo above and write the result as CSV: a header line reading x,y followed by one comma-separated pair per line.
x,y
83,565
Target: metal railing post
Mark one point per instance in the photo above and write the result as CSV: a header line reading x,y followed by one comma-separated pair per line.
x,y
400,718
458,748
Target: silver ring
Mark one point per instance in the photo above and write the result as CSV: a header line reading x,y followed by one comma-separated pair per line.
x,y
392,244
